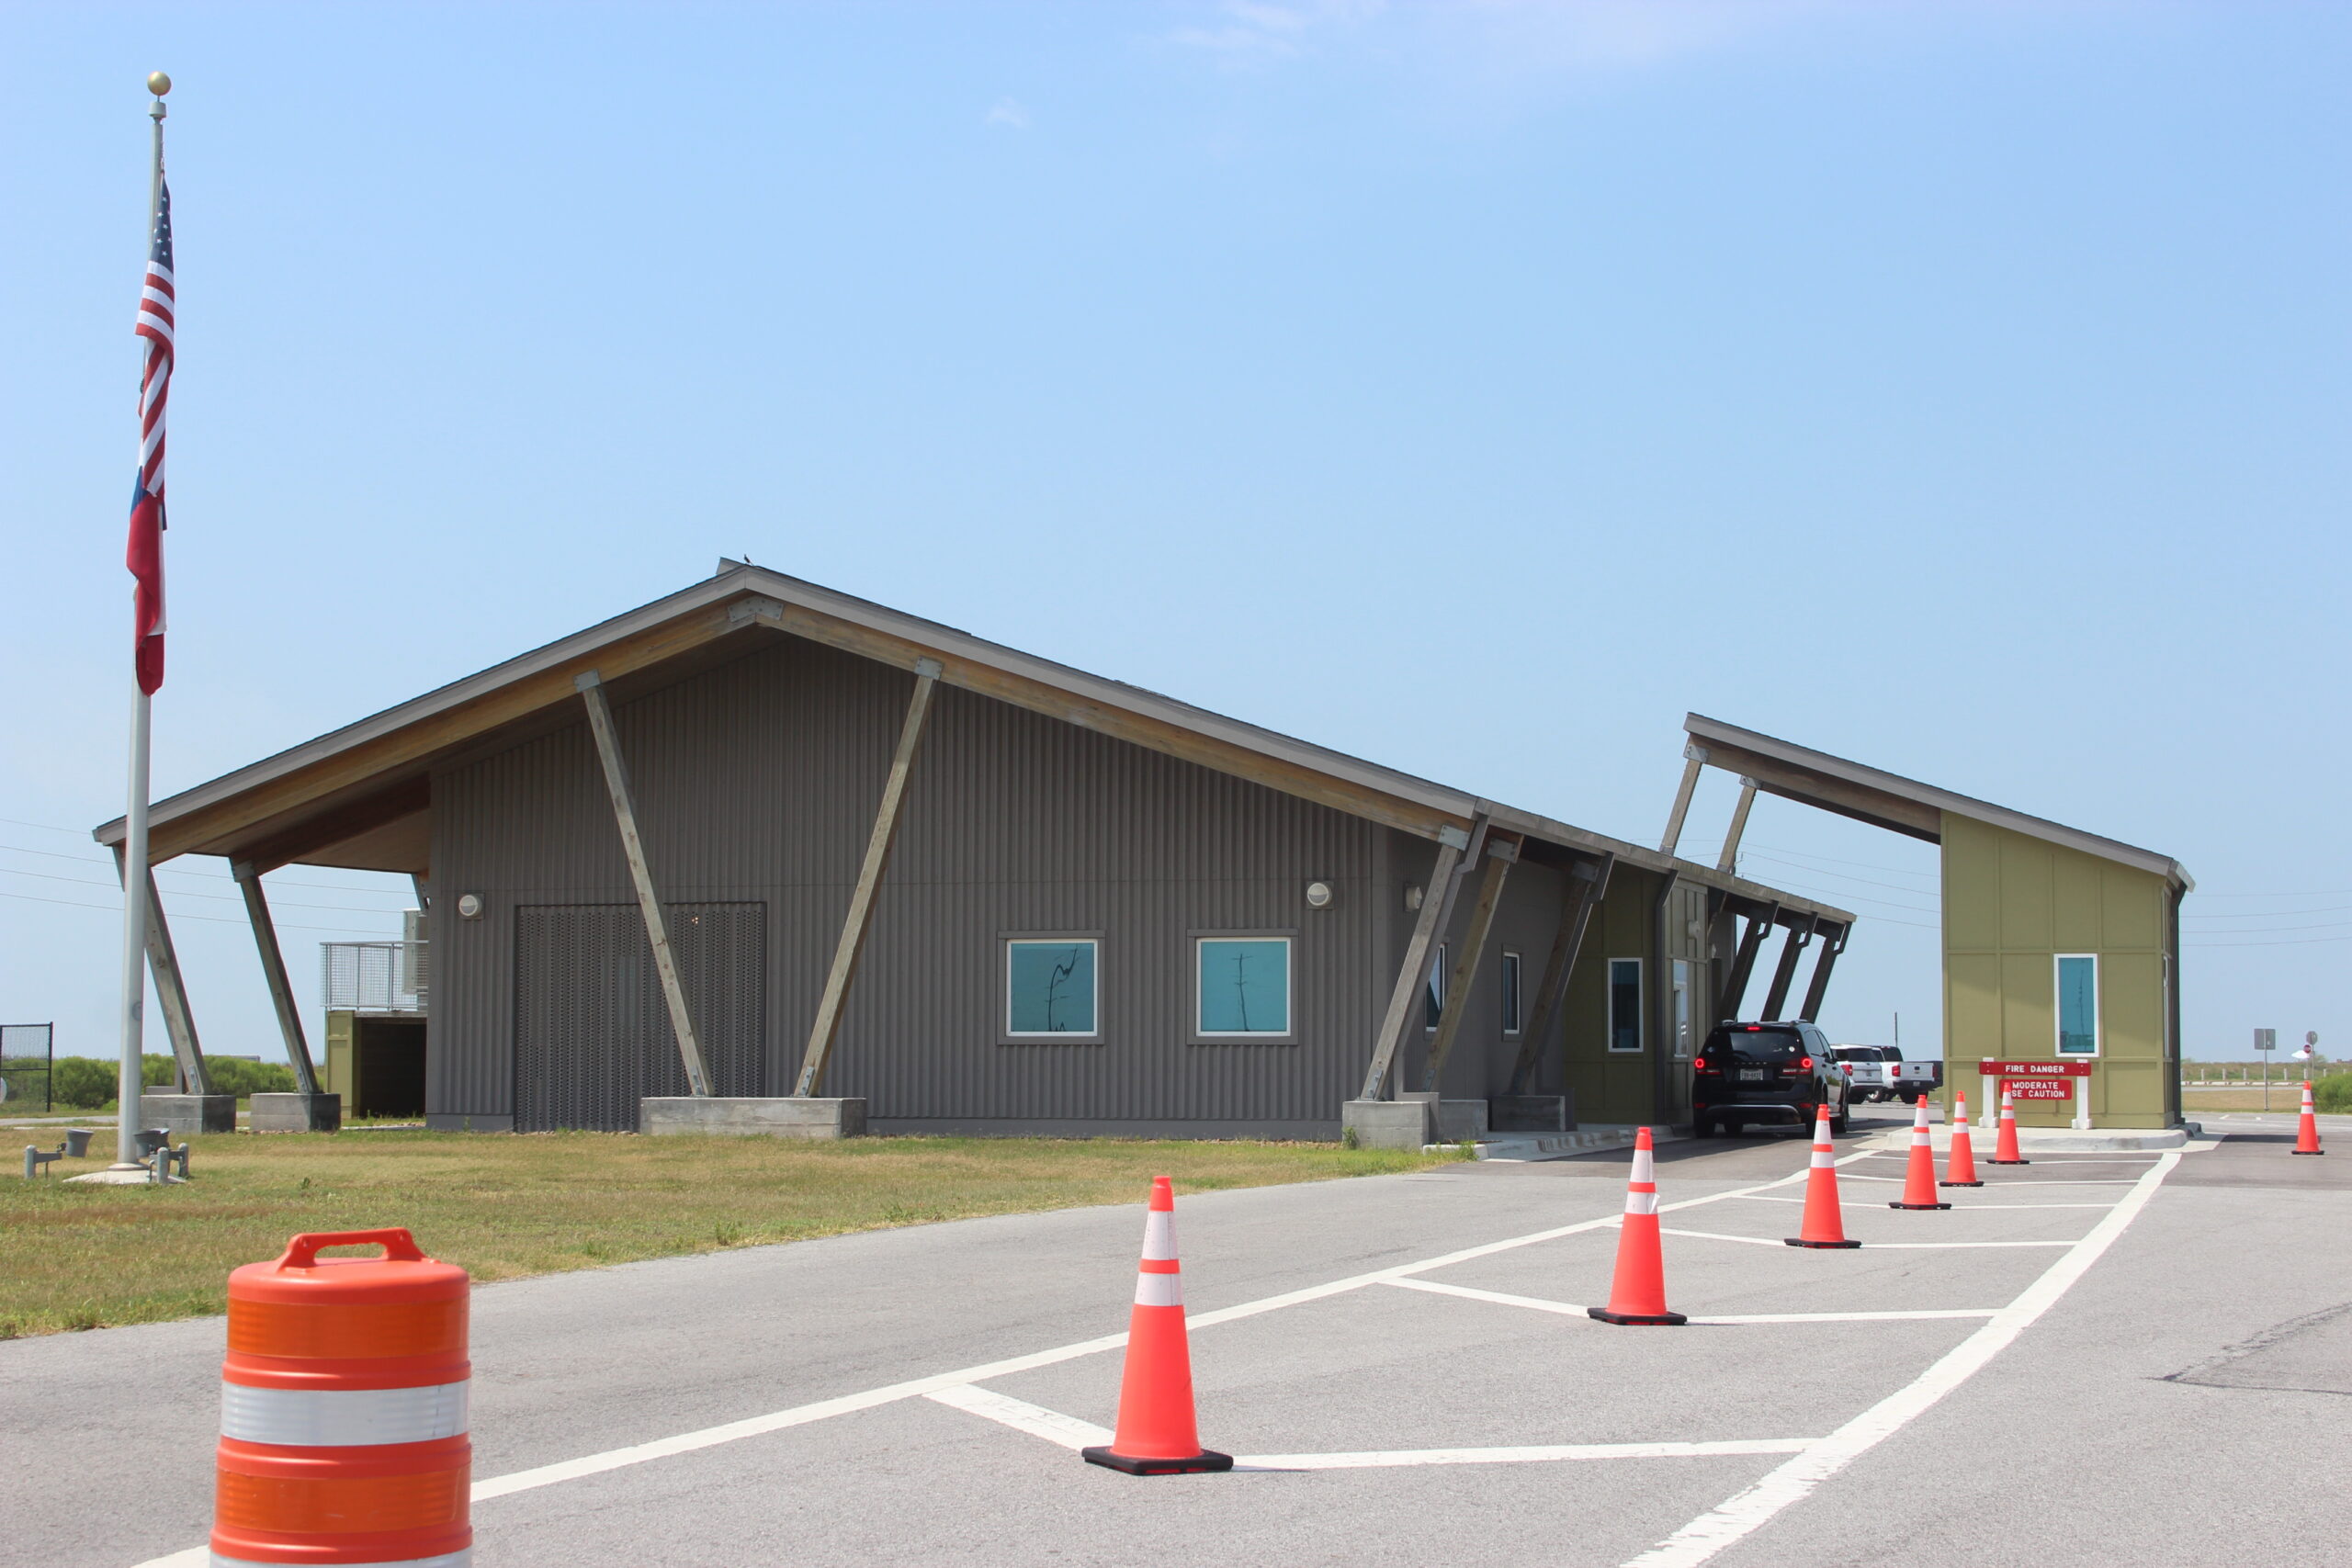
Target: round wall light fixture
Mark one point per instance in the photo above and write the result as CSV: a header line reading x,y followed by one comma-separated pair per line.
x,y
1321,895
1412,896
470,905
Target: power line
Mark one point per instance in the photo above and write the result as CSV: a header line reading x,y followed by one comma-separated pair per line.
x,y
177,893
212,875
214,920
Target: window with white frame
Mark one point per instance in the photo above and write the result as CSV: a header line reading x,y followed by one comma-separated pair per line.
x,y
1052,988
1242,986
1510,991
1625,1004
2078,981
1682,1009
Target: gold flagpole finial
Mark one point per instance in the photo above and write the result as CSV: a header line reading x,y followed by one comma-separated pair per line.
x,y
158,83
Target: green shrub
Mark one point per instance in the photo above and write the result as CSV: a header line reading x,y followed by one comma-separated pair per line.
x,y
85,1083
2332,1092
241,1078
82,1083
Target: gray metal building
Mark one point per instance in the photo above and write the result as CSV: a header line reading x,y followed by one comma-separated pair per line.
x,y
1080,907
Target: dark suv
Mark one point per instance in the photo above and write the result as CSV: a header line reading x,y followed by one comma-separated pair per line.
x,y
1776,1074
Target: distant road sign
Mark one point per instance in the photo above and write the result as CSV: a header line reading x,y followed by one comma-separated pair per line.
x,y
2266,1040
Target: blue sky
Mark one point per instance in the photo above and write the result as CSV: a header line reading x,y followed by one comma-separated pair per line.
x,y
1475,388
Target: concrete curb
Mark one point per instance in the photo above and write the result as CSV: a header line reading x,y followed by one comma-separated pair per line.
x,y
2051,1140
1520,1147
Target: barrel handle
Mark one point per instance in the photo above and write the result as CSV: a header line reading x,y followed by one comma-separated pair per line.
x,y
302,1252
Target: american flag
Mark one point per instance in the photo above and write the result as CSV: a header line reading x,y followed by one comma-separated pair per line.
x,y
157,308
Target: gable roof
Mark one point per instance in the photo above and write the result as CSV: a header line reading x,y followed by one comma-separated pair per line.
x,y
1890,800
359,797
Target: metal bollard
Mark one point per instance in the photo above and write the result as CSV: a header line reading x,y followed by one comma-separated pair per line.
x,y
35,1159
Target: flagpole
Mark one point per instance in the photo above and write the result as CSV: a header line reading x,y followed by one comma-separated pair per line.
x,y
134,836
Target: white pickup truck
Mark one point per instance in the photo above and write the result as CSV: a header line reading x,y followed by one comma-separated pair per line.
x,y
1880,1073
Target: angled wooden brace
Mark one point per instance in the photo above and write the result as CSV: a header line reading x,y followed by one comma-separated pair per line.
x,y
1582,887
1503,854
649,903
1456,852
852,946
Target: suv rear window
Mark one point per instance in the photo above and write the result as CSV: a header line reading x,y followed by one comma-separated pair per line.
x,y
1767,1043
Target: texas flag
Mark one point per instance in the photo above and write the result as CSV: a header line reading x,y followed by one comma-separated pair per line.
x,y
145,554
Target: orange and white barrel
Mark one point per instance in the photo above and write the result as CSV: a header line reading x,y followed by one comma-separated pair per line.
x,y
343,1410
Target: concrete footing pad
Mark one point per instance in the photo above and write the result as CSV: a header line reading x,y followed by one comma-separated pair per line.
x,y
772,1116
295,1113
189,1113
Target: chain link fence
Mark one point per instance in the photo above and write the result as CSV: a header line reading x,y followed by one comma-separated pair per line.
x,y
27,1061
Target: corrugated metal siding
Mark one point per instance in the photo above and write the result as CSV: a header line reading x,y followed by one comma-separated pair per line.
x,y
592,1027
757,780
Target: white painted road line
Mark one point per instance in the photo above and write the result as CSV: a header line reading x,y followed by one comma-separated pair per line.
x,y
1710,1235
1570,1309
1566,1309
1520,1456
1071,1433
1960,1205
1757,1506
1919,1315
1022,1416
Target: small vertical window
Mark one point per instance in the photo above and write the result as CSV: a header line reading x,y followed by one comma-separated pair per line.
x,y
1511,992
1050,987
1625,1004
1682,1009
2078,1004
1244,985
1434,1003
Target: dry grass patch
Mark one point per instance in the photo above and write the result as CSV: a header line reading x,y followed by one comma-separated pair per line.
x,y
78,1256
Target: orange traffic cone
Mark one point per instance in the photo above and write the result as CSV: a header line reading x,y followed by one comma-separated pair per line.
x,y
1156,1434
1637,1295
2307,1134
1919,1177
1960,1168
1825,1225
2004,1146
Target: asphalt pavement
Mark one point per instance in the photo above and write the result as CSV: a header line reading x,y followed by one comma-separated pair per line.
x,y
2094,1360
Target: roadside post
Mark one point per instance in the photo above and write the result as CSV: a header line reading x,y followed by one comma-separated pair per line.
x,y
2266,1041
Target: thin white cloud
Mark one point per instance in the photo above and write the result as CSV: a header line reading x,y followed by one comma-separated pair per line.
x,y
1517,34
1252,32
1007,111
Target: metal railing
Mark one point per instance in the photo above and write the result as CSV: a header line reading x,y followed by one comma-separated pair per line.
x,y
374,976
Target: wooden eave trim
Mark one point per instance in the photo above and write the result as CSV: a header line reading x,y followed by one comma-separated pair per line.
x,y
214,813
1923,799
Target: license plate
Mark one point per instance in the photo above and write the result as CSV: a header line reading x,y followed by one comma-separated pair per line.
x,y
1754,1075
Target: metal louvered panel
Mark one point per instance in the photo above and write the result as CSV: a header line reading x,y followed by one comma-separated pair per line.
x,y
591,1034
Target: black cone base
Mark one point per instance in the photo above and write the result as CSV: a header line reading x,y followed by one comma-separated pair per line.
x,y
1920,1205
1199,1464
2307,1151
1832,1245
2009,1162
1960,1184
1663,1319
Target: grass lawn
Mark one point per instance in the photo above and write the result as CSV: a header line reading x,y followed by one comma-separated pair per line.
x,y
505,1206
2241,1097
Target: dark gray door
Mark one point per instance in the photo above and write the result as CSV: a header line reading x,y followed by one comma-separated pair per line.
x,y
592,1031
